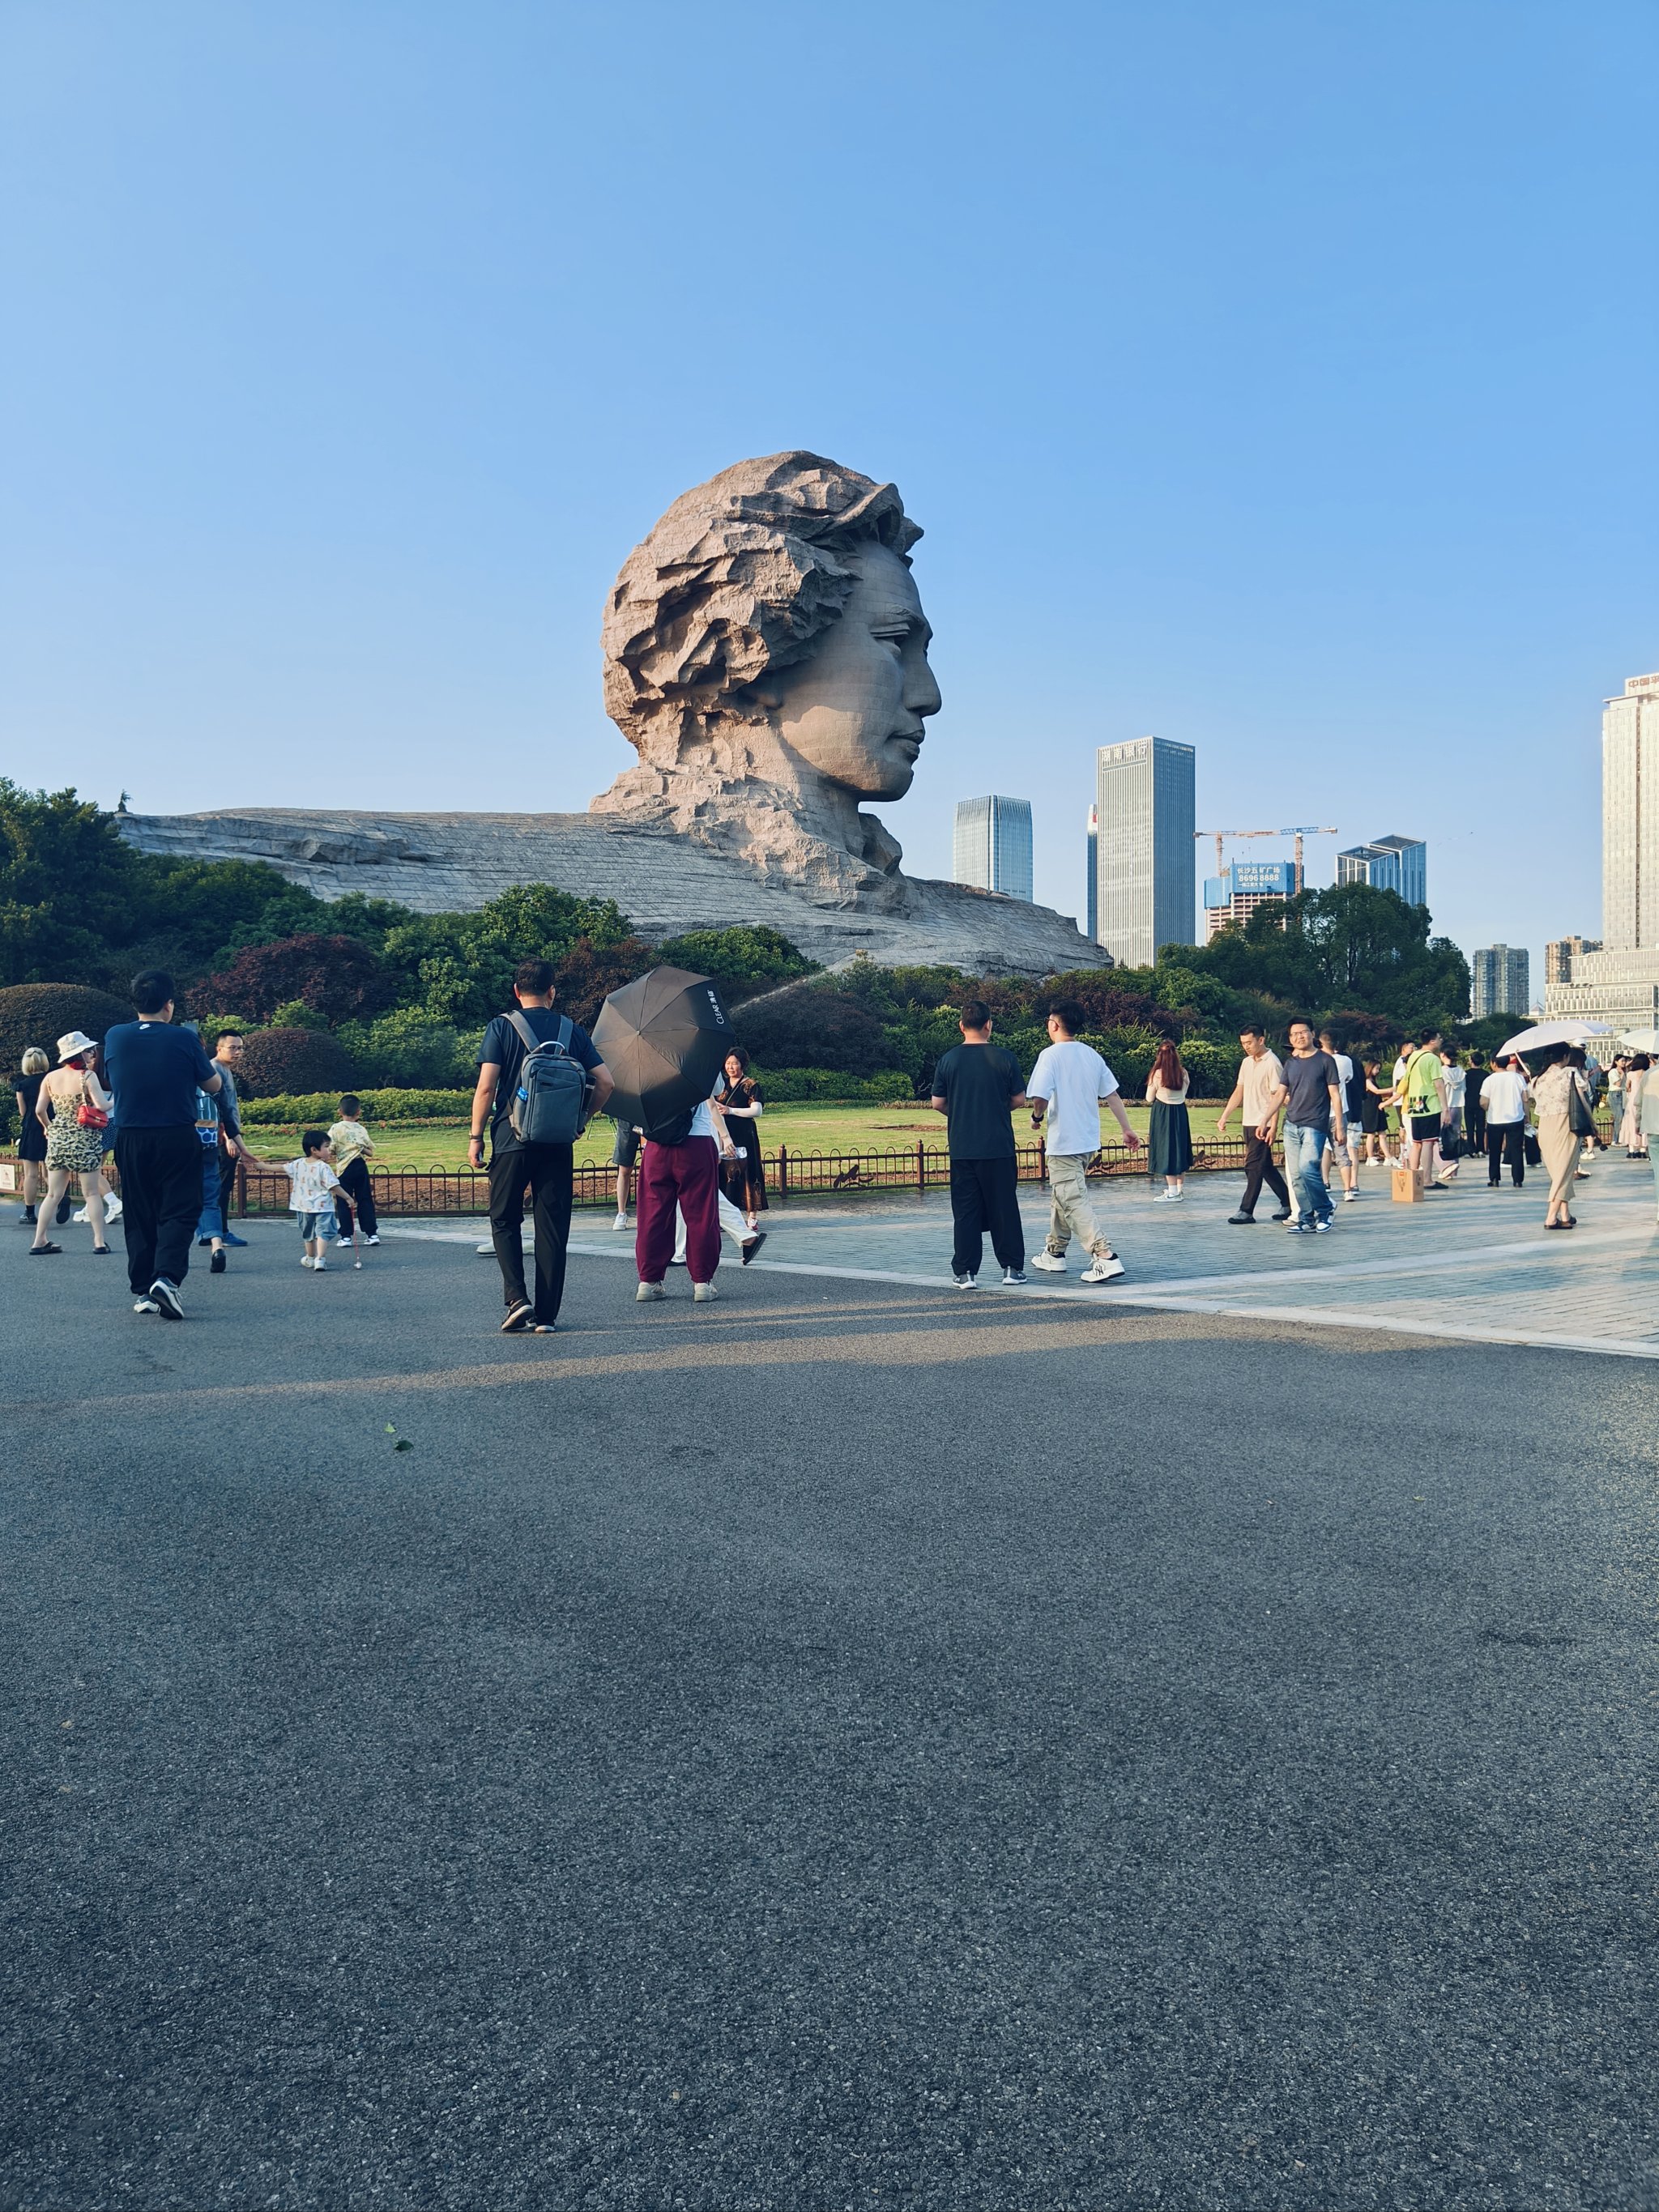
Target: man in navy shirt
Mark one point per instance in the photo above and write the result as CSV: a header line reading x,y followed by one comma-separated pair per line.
x,y
548,1169
156,1070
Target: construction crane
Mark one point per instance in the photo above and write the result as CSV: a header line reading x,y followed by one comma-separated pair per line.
x,y
1299,831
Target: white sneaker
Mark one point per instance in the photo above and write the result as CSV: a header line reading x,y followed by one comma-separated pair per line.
x,y
621,1222
319,1268
1349,1197
648,1293
486,1250
112,1208
371,1240
966,1282
703,1294
305,1258
1104,1271
1168,1198
80,1215
145,1305
1047,1263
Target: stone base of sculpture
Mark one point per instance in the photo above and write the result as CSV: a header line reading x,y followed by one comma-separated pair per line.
x,y
664,881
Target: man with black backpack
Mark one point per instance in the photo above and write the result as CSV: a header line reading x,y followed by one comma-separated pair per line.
x,y
539,1079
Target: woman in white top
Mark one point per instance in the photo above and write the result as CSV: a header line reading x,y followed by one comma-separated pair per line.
x,y
1169,1145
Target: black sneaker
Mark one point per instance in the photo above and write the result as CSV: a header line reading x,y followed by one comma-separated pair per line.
x,y
1244,1220
216,1264
752,1243
168,1303
520,1317
1283,1214
65,1208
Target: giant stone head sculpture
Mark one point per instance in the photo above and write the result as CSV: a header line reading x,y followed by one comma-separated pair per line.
x,y
766,652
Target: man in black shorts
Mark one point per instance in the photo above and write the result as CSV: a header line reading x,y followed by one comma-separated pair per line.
x,y
623,1154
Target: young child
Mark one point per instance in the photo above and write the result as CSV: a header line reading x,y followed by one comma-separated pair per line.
x,y
353,1146
311,1183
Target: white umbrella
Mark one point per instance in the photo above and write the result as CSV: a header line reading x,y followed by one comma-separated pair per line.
x,y
1640,1040
1543,1033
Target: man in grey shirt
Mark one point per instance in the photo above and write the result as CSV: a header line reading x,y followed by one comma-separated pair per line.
x,y
227,1052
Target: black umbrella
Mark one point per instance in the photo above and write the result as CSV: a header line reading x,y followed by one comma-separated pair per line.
x,y
665,1037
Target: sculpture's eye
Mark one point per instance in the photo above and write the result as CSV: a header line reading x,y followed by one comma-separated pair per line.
x,y
895,638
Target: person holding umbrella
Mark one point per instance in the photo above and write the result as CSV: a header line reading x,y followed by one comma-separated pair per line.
x,y
539,1079
666,1036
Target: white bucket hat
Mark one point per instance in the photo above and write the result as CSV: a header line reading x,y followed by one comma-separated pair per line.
x,y
75,1042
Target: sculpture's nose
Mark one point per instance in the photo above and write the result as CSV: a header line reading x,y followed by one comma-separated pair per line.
x,y
921,689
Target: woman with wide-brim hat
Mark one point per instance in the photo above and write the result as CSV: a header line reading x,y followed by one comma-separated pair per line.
x,y
73,1108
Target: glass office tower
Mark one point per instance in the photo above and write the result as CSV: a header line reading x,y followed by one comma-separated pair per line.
x,y
1145,875
992,847
1093,898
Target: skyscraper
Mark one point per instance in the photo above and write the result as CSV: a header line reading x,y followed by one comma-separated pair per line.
x,y
1500,981
1560,953
1392,863
1145,871
991,847
1619,983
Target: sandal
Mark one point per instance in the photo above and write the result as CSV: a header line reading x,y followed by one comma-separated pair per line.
x,y
40,1251
101,1251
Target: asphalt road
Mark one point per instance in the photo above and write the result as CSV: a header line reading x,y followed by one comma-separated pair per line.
x,y
838,1747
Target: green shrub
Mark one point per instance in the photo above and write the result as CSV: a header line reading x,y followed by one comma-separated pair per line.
x,y
309,1108
410,1048
801,1087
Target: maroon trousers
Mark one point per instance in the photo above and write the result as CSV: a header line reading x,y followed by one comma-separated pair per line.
x,y
686,1175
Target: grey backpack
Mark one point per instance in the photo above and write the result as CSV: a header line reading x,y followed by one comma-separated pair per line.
x,y
550,1106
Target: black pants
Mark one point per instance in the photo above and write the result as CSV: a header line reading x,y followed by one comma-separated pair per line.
x,y
161,1172
548,1169
1259,1169
355,1190
227,1186
1505,1140
985,1194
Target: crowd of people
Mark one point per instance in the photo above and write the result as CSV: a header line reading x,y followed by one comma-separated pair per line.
x,y
170,1115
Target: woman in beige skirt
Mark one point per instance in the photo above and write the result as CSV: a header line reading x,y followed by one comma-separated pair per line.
x,y
1552,1093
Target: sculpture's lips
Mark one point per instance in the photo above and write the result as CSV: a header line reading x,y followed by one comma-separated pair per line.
x,y
908,741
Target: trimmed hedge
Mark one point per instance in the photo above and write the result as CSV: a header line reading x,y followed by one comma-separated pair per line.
x,y
309,1108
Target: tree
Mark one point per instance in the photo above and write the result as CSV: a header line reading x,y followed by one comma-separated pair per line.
x,y
69,889
805,1026
335,976
749,955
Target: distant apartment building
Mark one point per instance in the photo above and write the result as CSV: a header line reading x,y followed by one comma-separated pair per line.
x,y
1618,981
1560,953
1144,870
1500,980
1231,897
1392,863
1093,901
991,847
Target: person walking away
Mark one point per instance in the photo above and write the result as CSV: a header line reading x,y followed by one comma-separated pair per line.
x,y
1588,1078
624,1152
518,1067
72,1110
1309,1091
32,1130
156,1070
312,1184
976,1085
1370,1115
679,1181
1425,1107
352,1149
741,1106
1504,1104
1169,1141
1456,1078
211,1223
1474,1114
1343,1154
227,1057
1631,1127
1261,1073
1561,1098
1065,1089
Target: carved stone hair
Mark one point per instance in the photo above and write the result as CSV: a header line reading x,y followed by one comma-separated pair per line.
x,y
741,576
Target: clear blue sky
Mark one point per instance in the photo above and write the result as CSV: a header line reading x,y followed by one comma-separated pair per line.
x,y
1278,378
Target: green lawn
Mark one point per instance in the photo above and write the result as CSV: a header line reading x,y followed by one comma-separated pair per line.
x,y
803,1128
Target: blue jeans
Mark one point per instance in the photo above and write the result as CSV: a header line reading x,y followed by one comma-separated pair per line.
x,y
1303,1148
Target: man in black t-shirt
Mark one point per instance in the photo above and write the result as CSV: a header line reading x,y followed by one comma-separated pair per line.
x,y
548,1168
976,1086
155,1069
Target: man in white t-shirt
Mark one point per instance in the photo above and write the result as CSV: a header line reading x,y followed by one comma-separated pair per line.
x,y
1068,1086
1259,1074
1504,1097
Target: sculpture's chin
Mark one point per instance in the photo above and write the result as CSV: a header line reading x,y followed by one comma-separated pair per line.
x,y
886,778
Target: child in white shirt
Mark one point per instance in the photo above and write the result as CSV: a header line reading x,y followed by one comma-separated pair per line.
x,y
311,1183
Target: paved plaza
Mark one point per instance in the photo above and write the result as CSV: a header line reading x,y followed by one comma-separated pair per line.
x,y
1469,1264
856,1744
